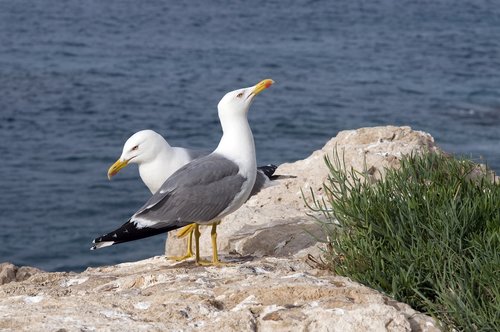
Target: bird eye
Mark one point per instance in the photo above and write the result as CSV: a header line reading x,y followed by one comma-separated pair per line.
x,y
135,147
239,95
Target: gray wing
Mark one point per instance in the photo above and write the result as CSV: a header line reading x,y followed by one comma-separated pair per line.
x,y
261,182
197,192
264,178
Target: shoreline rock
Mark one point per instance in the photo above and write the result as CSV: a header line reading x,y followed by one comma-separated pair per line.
x,y
274,221
9,272
266,286
266,294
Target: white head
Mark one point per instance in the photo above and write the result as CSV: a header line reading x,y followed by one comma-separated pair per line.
x,y
237,102
141,147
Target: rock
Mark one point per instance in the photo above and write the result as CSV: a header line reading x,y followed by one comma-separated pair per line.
x,y
275,223
9,272
266,294
266,286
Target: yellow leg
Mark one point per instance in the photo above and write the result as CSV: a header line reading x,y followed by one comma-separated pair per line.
x,y
197,241
215,255
185,231
189,251
197,235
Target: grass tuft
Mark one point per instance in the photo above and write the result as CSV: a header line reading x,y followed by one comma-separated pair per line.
x,y
428,234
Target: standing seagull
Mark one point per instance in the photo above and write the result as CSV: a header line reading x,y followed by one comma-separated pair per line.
x,y
158,160
206,189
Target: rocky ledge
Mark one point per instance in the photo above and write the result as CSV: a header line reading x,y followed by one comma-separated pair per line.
x,y
268,283
266,294
274,222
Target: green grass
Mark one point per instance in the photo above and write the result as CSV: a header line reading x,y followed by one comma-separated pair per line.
x,y
428,234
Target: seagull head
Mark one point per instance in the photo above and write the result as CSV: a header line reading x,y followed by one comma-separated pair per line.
x,y
141,147
238,102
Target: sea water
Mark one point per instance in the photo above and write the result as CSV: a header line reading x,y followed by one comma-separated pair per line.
x,y
77,78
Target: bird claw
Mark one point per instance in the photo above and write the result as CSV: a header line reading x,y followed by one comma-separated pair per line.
x,y
203,262
181,258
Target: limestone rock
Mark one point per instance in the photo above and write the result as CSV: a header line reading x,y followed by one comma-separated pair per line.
x,y
275,223
268,294
9,272
254,292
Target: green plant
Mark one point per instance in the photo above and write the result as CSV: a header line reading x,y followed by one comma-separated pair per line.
x,y
428,234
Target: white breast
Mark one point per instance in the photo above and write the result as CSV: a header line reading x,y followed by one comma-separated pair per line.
x,y
155,172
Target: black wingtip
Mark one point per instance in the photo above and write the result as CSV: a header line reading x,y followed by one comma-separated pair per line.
x,y
129,232
268,170
282,177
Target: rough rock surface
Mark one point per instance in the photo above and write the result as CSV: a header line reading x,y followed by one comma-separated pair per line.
x,y
253,293
267,294
9,272
275,223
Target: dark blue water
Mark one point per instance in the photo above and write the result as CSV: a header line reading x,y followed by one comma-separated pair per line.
x,y
78,77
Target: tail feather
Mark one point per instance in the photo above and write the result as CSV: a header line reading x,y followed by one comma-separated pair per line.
x,y
128,232
282,177
269,170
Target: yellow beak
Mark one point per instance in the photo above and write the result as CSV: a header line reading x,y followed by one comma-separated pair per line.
x,y
116,167
261,86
